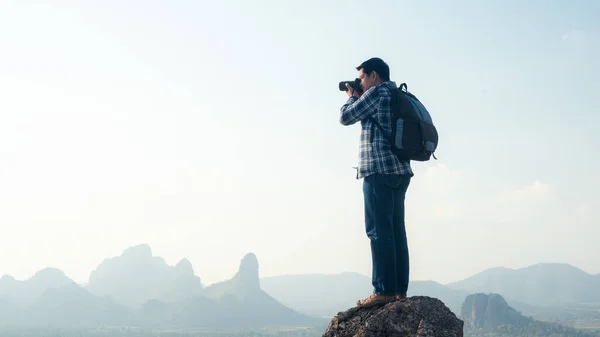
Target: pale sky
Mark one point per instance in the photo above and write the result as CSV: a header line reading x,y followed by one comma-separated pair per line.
x,y
210,129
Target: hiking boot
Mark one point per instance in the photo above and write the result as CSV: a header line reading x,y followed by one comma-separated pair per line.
x,y
374,299
400,296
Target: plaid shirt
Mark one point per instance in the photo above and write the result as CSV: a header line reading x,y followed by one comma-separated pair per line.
x,y
375,151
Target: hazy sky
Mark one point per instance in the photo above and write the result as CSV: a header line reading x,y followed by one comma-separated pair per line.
x,y
210,129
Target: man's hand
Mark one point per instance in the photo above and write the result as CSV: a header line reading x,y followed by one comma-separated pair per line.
x,y
351,92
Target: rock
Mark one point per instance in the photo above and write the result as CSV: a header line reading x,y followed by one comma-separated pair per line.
x,y
248,272
486,311
490,315
420,316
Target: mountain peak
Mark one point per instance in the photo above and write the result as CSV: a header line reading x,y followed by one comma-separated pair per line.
x,y
554,267
137,276
6,283
184,267
249,261
52,276
7,278
248,272
141,251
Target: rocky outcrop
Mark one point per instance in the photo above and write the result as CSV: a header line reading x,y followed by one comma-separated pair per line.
x,y
486,311
240,302
137,276
248,272
245,282
420,316
487,314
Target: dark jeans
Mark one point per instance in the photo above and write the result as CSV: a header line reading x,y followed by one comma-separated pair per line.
x,y
384,219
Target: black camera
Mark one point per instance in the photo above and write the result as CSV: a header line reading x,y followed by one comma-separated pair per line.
x,y
353,84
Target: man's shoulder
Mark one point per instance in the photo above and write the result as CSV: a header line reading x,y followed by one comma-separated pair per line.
x,y
385,88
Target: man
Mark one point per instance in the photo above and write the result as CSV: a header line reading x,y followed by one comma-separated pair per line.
x,y
386,179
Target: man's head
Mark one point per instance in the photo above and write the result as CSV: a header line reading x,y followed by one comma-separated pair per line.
x,y
372,72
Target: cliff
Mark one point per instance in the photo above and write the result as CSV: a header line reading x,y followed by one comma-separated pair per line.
x,y
490,314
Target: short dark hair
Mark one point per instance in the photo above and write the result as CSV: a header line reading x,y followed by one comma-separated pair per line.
x,y
378,65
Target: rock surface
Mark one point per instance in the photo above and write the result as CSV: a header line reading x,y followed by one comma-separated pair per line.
x,y
420,316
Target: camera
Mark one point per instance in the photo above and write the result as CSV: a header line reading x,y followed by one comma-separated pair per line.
x,y
353,84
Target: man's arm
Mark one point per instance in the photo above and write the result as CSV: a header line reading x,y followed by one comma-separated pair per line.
x,y
358,109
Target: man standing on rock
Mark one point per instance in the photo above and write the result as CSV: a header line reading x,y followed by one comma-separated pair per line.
x,y
386,179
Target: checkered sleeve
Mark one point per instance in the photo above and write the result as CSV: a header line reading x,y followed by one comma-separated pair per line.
x,y
356,110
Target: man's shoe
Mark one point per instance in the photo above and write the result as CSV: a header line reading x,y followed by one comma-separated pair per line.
x,y
400,296
374,299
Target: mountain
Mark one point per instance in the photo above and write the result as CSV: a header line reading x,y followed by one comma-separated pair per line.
x,y
243,283
172,298
544,284
72,305
139,289
327,294
490,315
9,311
136,276
58,306
235,303
242,300
24,292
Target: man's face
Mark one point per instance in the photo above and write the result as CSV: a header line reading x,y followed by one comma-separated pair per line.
x,y
367,81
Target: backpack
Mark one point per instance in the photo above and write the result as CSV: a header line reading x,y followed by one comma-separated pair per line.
x,y
414,137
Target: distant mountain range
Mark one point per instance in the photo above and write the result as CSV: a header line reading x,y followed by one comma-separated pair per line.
x,y
546,291
137,288
25,292
326,295
544,284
